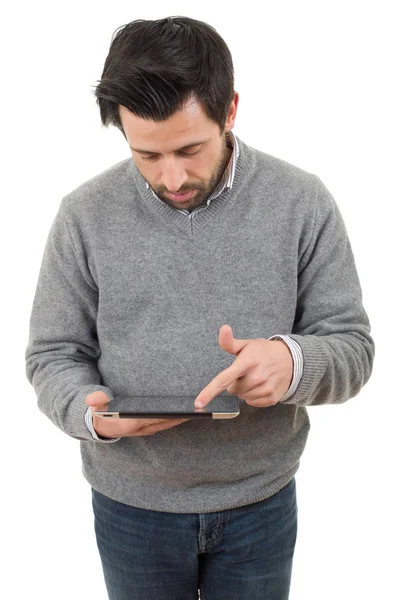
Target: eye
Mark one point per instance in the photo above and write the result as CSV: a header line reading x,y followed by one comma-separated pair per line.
x,y
149,158
189,153
154,157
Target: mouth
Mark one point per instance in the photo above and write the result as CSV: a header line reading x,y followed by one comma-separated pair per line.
x,y
181,197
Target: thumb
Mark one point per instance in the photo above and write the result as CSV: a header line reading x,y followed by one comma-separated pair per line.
x,y
228,342
97,399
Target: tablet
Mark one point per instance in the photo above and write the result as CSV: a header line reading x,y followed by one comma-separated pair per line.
x,y
170,407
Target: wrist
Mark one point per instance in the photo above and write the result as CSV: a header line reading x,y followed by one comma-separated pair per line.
x,y
102,428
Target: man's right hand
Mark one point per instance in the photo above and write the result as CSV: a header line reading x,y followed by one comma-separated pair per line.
x,y
115,428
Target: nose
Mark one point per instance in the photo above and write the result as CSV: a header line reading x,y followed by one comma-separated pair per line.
x,y
173,176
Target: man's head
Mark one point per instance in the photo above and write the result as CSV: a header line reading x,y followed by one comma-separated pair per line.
x,y
167,84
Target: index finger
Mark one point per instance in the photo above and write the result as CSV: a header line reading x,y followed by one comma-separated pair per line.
x,y
220,383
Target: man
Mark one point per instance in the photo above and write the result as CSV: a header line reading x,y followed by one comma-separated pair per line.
x,y
198,265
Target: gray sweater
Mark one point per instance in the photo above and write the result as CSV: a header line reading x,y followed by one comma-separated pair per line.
x,y
130,298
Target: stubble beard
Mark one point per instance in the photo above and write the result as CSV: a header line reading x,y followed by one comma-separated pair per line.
x,y
204,192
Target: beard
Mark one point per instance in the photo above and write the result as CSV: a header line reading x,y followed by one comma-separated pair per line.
x,y
202,191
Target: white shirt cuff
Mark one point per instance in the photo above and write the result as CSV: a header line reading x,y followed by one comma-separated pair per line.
x,y
89,425
298,363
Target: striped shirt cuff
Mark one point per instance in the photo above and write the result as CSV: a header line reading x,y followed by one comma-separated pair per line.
x,y
89,425
298,363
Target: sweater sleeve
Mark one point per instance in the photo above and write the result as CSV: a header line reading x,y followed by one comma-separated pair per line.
x,y
331,325
63,348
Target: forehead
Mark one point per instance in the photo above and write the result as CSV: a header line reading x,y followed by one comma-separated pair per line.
x,y
182,128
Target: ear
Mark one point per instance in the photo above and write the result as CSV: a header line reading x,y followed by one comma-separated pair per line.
x,y
230,120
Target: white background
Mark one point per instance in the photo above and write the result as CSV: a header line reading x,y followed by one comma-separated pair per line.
x,y
318,88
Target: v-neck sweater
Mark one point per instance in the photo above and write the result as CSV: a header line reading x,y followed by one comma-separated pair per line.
x,y
130,298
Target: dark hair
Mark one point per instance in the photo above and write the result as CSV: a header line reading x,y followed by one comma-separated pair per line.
x,y
154,67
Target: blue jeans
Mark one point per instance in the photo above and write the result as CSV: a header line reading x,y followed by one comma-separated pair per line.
x,y
243,553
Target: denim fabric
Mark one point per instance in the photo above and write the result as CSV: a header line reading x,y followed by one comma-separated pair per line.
x,y
244,553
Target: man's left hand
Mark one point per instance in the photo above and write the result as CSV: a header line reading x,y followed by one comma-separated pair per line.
x,y
260,375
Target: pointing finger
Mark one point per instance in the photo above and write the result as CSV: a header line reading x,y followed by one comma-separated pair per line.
x,y
223,380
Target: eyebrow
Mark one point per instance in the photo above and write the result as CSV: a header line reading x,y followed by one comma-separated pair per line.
x,y
192,145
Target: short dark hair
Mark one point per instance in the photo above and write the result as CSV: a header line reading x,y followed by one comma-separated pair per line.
x,y
154,67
